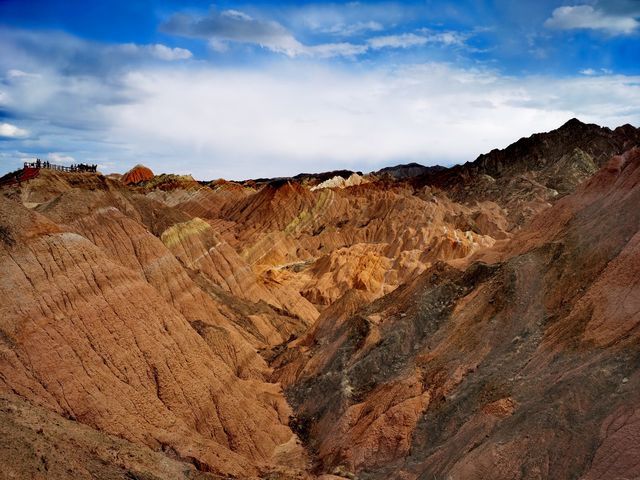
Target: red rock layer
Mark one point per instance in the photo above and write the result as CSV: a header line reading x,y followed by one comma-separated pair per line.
x,y
137,174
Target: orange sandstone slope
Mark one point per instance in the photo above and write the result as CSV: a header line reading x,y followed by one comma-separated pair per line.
x,y
383,233
137,229
102,324
522,366
137,174
36,443
320,238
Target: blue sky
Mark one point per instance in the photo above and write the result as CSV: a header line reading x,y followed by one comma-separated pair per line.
x,y
239,90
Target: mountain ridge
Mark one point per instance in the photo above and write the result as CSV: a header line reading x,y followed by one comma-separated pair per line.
x,y
464,322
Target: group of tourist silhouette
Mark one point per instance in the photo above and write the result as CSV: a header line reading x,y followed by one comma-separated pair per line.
x,y
75,167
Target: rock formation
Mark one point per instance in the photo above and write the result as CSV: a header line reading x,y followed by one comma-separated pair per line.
x,y
339,182
137,174
477,321
498,370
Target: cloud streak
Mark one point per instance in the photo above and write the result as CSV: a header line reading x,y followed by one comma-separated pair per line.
x,y
220,28
234,26
408,40
74,56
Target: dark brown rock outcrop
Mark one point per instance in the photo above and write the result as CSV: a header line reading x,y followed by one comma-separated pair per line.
x,y
499,370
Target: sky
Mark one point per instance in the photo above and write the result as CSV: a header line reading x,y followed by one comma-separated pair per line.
x,y
242,90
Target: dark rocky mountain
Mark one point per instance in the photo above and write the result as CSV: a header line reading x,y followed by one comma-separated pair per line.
x,y
408,170
534,171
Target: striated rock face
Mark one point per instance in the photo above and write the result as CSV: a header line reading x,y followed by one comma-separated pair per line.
x,y
496,371
317,242
473,322
115,335
196,244
137,174
37,443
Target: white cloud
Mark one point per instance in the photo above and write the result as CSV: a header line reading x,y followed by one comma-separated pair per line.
x,y
593,18
350,19
280,122
352,29
8,130
591,71
235,14
220,28
218,45
404,40
449,38
427,36
60,158
24,51
163,52
14,74
288,116
234,26
156,50
329,50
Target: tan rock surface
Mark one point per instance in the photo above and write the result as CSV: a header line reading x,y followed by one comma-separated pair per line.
x,y
36,443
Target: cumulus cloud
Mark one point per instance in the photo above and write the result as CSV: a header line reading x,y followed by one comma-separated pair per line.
x,y
609,17
279,122
8,130
60,158
168,54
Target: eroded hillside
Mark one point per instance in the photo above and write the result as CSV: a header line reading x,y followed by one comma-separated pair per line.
x,y
409,323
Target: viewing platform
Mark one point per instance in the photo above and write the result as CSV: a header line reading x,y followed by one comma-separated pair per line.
x,y
76,167
31,170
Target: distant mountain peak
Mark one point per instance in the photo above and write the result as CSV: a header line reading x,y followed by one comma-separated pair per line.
x,y
572,123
